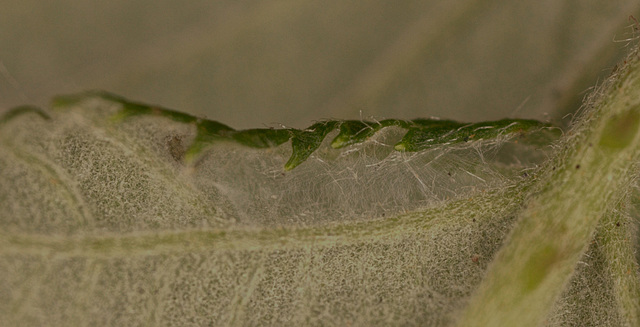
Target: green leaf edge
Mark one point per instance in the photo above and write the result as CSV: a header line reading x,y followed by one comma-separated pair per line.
x,y
22,110
422,134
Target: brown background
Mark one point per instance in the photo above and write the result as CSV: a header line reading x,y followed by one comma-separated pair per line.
x,y
256,63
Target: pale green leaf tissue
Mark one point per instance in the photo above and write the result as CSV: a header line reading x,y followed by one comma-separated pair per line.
x,y
119,213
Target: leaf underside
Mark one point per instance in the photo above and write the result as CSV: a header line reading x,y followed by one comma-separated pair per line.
x,y
377,215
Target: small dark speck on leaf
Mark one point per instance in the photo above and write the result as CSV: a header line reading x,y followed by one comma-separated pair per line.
x,y
176,149
618,224
577,166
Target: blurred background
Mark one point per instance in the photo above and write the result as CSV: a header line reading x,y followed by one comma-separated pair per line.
x,y
258,63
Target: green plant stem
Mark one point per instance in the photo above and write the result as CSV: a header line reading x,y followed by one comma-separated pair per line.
x,y
553,232
616,235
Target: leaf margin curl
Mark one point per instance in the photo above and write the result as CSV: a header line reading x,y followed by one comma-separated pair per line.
x,y
421,134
